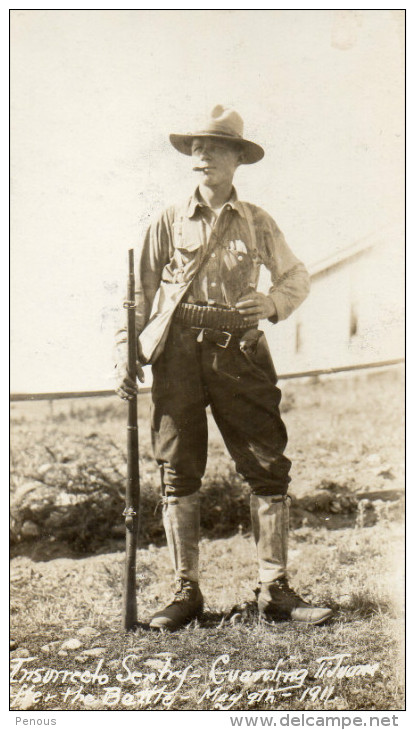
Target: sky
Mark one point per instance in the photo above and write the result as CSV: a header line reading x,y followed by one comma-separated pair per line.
x,y
94,96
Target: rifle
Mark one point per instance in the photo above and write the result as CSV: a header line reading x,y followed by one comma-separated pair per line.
x,y
132,492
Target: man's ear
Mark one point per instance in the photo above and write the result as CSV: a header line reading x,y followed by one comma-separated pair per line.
x,y
241,157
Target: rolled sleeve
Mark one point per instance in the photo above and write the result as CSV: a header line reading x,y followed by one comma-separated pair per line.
x,y
290,292
289,277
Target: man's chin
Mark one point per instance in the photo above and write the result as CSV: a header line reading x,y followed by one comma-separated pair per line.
x,y
208,179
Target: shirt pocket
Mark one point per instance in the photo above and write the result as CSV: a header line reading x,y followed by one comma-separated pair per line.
x,y
187,250
236,261
236,271
186,259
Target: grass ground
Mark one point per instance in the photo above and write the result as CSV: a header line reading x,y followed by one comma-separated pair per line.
x,y
66,607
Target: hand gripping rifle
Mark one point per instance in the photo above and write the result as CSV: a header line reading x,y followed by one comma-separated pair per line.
x,y
132,492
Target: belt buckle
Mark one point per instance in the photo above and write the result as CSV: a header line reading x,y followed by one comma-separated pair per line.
x,y
228,339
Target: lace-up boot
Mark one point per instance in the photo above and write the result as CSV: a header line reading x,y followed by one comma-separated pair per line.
x,y
186,605
276,600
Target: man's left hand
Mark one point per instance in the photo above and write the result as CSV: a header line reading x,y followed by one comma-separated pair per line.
x,y
255,306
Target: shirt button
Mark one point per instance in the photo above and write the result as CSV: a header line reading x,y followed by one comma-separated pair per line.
x,y
213,283
213,255
240,258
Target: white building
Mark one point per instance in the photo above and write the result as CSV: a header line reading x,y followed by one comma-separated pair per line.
x,y
354,313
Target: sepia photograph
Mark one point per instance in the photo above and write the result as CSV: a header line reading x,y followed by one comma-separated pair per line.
x,y
207,505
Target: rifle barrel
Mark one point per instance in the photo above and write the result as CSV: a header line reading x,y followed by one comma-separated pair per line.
x,y
132,495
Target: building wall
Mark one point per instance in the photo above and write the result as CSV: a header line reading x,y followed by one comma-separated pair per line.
x,y
354,313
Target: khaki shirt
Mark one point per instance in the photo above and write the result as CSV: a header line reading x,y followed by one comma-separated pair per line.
x,y
187,258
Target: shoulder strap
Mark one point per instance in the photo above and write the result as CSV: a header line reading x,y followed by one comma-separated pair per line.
x,y
250,220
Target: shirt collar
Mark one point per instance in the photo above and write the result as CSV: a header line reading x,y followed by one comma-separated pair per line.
x,y
197,203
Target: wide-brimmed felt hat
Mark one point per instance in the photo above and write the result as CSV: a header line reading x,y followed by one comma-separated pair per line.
x,y
223,123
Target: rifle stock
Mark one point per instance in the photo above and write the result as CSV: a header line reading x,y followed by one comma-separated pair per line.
x,y
132,492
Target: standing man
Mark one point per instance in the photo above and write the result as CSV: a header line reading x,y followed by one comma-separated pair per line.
x,y
198,310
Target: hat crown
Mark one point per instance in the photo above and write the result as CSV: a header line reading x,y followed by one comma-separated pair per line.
x,y
224,120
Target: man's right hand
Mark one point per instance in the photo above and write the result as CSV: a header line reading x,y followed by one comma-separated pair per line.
x,y
126,385
128,388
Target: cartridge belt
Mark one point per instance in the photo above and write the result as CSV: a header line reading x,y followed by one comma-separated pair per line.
x,y
225,319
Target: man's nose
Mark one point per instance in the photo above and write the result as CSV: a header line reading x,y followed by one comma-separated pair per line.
x,y
206,150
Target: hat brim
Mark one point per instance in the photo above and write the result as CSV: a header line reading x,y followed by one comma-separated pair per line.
x,y
183,143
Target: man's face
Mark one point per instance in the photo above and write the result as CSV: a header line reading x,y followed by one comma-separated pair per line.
x,y
215,160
